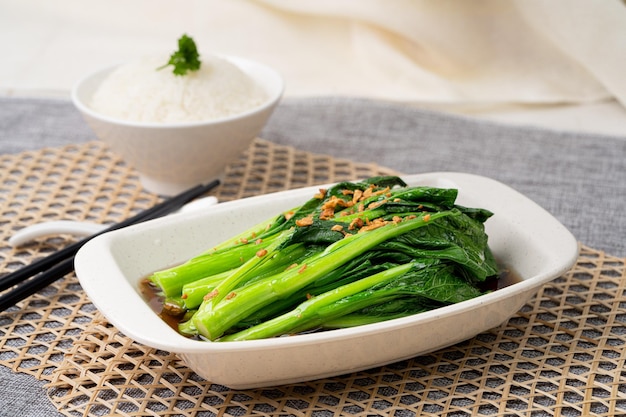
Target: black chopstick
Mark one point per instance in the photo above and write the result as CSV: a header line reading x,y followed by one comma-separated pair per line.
x,y
61,262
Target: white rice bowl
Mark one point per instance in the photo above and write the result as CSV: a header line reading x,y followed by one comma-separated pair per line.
x,y
138,92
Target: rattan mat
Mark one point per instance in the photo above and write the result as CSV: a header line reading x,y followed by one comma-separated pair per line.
x,y
562,354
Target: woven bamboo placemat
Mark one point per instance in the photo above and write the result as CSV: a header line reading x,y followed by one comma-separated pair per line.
x,y
562,354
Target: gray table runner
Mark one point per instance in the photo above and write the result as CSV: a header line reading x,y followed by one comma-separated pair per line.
x,y
579,178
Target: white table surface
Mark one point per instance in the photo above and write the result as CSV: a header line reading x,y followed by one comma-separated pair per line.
x,y
48,46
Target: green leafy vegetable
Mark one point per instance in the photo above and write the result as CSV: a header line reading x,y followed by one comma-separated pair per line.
x,y
354,254
186,58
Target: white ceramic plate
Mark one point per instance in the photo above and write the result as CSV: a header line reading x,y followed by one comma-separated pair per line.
x,y
522,235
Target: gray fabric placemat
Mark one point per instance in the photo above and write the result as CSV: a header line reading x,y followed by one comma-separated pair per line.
x,y
579,178
27,124
21,395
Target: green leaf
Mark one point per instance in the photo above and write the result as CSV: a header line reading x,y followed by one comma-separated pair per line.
x,y
186,58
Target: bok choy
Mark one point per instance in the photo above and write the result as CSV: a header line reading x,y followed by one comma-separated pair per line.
x,y
357,253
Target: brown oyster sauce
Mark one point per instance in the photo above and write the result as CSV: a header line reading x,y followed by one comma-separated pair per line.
x,y
151,295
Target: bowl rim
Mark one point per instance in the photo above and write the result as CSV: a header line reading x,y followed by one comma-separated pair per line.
x,y
241,63
180,344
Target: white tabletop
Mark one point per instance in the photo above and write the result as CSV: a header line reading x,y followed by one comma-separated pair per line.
x,y
349,49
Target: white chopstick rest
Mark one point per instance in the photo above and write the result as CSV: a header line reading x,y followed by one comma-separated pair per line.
x,y
57,227
76,228
198,204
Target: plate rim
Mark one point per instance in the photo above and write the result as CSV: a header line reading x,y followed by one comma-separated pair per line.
x,y
102,244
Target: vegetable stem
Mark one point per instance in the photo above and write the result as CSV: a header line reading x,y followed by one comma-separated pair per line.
x,y
355,253
213,319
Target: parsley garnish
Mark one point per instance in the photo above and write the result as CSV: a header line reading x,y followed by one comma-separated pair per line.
x,y
186,58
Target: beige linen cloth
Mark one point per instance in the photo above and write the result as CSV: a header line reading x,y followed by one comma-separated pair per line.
x,y
437,51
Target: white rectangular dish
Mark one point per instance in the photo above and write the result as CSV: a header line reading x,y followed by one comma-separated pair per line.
x,y
521,234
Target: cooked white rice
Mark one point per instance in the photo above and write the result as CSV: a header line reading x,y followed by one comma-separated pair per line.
x,y
138,92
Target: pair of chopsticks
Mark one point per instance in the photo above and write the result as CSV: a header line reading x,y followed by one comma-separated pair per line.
x,y
38,275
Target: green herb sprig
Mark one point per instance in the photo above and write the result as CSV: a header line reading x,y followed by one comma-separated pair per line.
x,y
186,58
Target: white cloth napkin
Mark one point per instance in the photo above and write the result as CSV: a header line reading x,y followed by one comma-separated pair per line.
x,y
438,51
488,50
